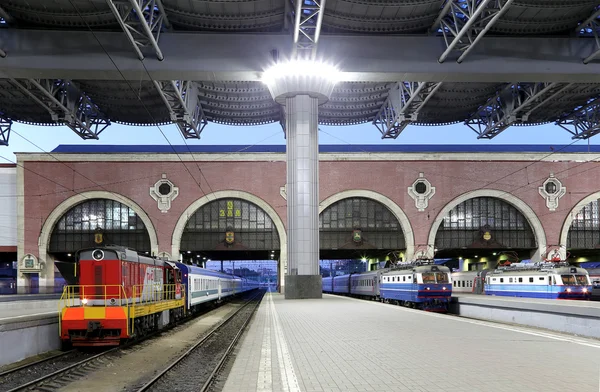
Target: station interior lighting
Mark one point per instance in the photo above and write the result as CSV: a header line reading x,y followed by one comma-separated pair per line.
x,y
300,68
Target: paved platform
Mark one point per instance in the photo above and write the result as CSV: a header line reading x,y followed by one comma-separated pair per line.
x,y
28,297
15,310
344,344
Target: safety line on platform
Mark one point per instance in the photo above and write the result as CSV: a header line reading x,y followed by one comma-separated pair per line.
x,y
288,375
265,374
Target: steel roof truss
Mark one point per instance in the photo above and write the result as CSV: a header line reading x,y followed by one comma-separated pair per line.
x,y
591,28
181,98
308,17
5,19
465,22
402,106
66,104
142,22
5,124
512,105
583,123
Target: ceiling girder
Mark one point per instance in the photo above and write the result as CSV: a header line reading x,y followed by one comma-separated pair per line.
x,y
5,18
66,104
464,22
5,125
512,105
402,106
308,18
591,28
584,122
181,98
142,22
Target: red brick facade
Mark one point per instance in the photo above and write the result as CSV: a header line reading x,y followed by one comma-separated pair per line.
x,y
46,184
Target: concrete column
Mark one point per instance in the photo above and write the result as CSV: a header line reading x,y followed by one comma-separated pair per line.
x,y
303,196
301,88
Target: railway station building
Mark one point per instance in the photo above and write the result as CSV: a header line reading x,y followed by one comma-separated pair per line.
x,y
470,206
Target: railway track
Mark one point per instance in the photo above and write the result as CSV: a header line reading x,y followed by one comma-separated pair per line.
x,y
51,373
201,364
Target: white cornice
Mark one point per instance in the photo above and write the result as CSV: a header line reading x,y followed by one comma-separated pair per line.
x,y
280,157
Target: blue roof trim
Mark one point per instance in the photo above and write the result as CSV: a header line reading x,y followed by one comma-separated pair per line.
x,y
342,148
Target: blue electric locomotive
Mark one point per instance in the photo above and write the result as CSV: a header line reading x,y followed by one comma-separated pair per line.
x,y
420,285
539,280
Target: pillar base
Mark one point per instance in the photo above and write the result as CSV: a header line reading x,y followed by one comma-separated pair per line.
x,y
303,286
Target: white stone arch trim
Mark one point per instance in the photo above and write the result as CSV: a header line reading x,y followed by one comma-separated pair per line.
x,y
409,238
71,202
266,207
528,213
569,219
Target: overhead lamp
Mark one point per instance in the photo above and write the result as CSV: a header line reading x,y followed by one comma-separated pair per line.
x,y
189,251
68,255
301,68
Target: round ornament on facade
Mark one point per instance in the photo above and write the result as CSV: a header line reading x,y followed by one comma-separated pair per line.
x,y
420,187
164,189
551,188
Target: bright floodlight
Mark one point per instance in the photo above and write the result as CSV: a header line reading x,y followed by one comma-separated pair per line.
x,y
301,68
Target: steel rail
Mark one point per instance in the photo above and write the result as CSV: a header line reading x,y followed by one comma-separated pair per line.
x,y
212,332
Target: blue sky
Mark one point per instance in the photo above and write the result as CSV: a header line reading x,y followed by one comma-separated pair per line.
x,y
47,138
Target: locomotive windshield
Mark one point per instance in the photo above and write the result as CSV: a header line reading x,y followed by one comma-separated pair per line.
x,y
435,277
575,280
442,277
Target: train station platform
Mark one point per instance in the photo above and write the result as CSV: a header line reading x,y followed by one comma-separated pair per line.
x,y
345,344
27,328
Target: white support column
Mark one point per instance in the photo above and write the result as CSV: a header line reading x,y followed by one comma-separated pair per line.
x,y
302,87
302,185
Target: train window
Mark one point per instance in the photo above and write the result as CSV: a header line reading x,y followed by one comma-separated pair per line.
x,y
501,280
494,279
510,280
404,278
542,278
520,280
530,280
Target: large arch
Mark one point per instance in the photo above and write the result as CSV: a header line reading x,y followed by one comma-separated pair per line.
x,y
532,219
196,205
564,234
71,202
47,278
393,207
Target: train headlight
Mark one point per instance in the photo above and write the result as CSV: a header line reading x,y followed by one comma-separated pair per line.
x,y
84,301
428,288
443,288
98,255
585,290
568,290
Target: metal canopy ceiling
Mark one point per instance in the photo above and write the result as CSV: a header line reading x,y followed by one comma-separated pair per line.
x,y
463,31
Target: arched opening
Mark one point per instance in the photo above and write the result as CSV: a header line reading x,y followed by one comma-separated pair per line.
x,y
231,229
94,222
583,236
356,233
480,232
116,223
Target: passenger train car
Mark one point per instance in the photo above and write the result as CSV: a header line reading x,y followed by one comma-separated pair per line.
x,y
551,280
122,295
421,285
